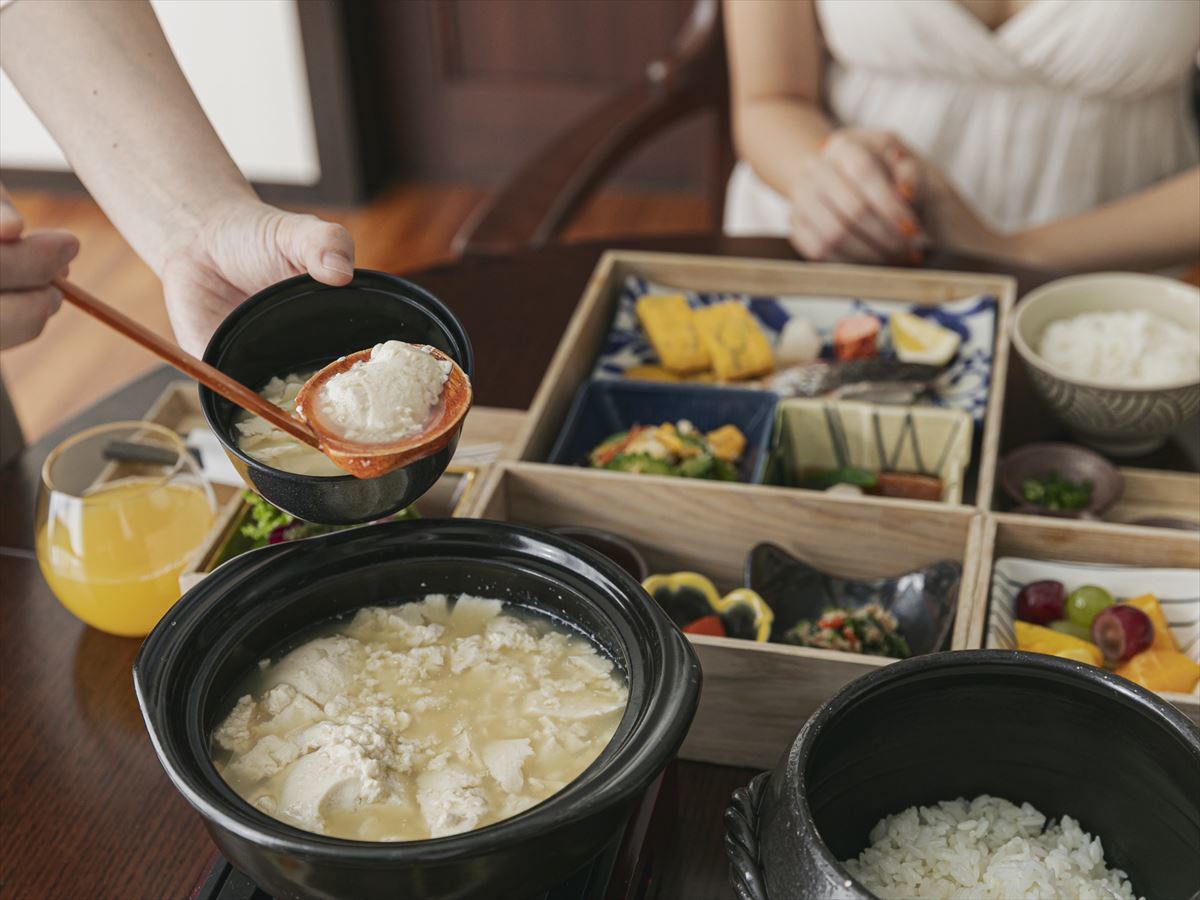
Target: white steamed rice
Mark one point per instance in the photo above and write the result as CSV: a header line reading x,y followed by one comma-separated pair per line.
x,y
988,849
1131,348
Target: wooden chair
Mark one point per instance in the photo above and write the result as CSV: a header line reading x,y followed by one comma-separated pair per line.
x,y
540,201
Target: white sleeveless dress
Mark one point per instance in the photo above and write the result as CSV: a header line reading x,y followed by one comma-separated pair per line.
x,y
1066,106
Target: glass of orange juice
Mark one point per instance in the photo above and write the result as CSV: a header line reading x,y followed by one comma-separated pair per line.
x,y
122,509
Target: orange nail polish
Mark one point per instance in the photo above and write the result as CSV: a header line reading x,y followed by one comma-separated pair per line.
x,y
909,228
905,190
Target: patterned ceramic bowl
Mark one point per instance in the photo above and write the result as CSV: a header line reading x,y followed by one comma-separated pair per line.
x,y
1120,421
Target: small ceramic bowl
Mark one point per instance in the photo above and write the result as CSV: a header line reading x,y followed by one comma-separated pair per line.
x,y
1118,420
1068,461
1067,738
301,325
602,408
923,601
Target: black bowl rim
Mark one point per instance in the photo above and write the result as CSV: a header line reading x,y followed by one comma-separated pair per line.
x,y
1147,703
632,766
366,278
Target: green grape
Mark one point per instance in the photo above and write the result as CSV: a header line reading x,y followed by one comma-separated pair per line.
x,y
1084,604
1066,626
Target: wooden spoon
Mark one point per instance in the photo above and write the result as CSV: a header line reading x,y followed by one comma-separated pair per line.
x,y
212,378
370,460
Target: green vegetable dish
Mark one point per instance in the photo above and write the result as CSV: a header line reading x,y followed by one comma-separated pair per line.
x,y
871,630
1054,492
267,524
672,449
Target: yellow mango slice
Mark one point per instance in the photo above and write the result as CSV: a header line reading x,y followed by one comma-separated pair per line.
x,y
1162,670
1037,639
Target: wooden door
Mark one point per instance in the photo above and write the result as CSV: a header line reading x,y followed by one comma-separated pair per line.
x,y
470,89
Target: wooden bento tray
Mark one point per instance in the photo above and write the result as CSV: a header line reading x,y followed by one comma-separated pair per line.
x,y
589,327
755,695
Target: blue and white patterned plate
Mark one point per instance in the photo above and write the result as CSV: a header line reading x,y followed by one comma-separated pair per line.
x,y
963,385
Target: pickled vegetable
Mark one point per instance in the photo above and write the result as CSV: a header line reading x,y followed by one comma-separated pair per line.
x,y
1054,492
1041,602
1085,603
1121,632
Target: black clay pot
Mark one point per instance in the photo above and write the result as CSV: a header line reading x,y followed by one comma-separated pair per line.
x,y
253,607
1066,737
301,325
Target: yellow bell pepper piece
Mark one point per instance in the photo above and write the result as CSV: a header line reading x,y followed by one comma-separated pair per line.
x,y
1162,670
1163,639
1037,639
763,615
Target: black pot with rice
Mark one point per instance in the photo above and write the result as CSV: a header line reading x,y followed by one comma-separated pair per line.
x,y
1069,739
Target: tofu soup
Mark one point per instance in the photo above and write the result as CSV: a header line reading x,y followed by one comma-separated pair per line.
x,y
418,721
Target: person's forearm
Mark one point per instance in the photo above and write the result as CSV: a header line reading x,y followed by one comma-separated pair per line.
x,y
1156,227
102,78
776,134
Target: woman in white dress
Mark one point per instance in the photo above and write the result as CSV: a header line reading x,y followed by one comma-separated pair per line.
x,y
1057,133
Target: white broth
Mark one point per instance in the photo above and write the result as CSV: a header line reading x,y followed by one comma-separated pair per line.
x,y
418,721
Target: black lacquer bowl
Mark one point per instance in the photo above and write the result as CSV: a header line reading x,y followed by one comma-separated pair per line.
x,y
1069,738
254,606
301,325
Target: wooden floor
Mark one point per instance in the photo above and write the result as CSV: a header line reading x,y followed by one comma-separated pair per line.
x,y
76,360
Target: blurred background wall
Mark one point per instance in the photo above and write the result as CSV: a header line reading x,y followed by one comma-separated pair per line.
x,y
396,118
328,101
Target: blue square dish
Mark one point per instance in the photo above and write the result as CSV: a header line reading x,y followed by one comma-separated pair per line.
x,y
602,408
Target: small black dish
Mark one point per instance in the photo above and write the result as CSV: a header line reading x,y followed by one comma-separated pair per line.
x,y
923,601
1069,738
256,605
301,324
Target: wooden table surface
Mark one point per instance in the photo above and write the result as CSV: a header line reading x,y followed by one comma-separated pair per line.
x,y
85,810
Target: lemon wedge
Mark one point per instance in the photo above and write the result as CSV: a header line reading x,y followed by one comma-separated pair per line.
x,y
918,340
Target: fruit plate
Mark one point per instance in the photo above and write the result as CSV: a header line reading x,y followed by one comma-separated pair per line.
x,y
1126,561
1177,590
962,385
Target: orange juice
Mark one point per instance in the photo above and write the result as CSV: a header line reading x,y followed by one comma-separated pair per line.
x,y
113,557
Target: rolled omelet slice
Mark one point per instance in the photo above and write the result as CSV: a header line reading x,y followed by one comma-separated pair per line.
x,y
670,325
735,344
